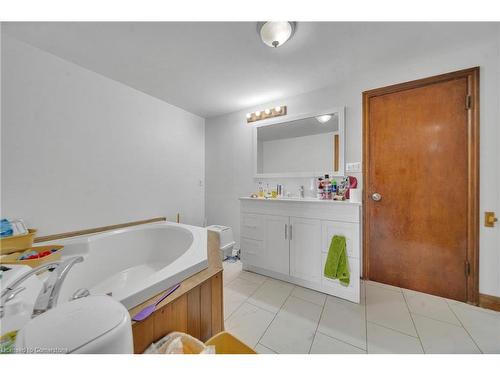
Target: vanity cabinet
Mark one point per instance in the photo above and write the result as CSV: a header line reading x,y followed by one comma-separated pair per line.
x,y
305,249
289,240
276,245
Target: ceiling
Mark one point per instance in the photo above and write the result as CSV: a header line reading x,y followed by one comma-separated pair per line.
x,y
212,68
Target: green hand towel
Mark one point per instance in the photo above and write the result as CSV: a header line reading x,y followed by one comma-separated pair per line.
x,y
336,266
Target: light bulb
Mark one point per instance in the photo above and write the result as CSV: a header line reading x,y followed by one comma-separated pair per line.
x,y
323,118
267,111
249,115
277,109
257,114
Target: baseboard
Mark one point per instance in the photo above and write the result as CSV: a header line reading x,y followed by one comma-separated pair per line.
x,y
489,302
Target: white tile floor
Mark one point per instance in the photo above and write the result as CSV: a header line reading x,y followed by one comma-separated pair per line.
x,y
273,316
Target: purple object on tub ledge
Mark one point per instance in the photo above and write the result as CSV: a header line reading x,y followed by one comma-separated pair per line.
x,y
148,310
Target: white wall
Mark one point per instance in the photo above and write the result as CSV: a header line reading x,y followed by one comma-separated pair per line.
x,y
80,150
229,138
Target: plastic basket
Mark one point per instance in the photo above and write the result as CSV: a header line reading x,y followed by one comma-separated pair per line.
x,y
13,244
33,263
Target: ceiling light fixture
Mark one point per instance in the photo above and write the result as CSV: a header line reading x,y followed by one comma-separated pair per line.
x,y
323,118
275,34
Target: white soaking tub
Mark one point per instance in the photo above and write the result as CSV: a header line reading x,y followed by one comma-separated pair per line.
x,y
134,264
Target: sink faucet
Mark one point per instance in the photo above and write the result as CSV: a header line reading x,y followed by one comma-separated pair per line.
x,y
47,298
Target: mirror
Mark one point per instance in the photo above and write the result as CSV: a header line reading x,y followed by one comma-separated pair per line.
x,y
300,146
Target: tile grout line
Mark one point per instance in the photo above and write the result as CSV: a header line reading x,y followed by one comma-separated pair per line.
x,y
274,351
247,298
342,341
317,325
305,300
413,321
274,318
465,329
241,304
394,330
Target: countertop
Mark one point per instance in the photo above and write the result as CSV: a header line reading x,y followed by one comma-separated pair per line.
x,y
299,200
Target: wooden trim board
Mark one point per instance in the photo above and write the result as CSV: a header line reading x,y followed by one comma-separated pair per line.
x,y
83,232
489,302
336,152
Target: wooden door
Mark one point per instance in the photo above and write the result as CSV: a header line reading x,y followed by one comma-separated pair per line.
x,y
305,249
421,185
277,248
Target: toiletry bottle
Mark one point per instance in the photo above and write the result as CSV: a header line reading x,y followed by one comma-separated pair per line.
x,y
6,228
328,187
261,190
320,188
312,187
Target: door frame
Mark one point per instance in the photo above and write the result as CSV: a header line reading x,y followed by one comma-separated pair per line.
x,y
472,76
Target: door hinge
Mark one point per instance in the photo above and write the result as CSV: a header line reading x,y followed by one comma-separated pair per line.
x,y
467,268
468,102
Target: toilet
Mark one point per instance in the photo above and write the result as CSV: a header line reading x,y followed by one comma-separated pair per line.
x,y
226,240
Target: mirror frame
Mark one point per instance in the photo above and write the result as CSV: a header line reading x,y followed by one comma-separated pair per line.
x,y
288,118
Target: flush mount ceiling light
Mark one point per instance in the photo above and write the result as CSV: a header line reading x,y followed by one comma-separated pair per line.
x,y
323,118
275,34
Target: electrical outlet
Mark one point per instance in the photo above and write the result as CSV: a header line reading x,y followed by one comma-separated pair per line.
x,y
353,167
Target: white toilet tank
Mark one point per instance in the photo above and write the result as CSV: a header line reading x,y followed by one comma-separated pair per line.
x,y
226,239
92,325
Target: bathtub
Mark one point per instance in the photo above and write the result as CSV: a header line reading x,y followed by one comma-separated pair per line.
x,y
136,263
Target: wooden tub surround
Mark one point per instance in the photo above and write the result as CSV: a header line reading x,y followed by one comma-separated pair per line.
x,y
195,308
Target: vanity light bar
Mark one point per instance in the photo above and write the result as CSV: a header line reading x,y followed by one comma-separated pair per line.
x,y
267,113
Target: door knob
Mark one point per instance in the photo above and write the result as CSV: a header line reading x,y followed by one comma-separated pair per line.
x,y
376,197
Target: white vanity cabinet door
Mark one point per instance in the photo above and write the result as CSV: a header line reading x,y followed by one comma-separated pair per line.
x,y
337,228
350,231
350,292
305,249
276,243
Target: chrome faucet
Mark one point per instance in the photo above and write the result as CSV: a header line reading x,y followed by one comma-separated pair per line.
x,y
47,298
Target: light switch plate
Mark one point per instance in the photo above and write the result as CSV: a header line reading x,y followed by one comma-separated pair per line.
x,y
353,167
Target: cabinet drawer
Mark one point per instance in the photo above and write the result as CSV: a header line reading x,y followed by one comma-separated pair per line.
x,y
349,230
252,251
333,286
252,226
